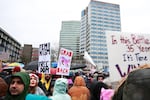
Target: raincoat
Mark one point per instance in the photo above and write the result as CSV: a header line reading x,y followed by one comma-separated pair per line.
x,y
79,91
26,80
60,89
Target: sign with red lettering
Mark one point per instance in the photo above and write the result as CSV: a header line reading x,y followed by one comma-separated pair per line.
x,y
126,52
64,61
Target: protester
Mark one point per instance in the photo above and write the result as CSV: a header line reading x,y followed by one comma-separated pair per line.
x,y
60,89
79,91
34,88
70,83
18,87
100,77
95,89
3,88
45,84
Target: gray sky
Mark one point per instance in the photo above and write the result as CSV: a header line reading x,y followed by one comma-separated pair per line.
x,y
39,21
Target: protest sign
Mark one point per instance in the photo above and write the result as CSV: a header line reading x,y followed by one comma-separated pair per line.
x,y
126,52
64,61
44,58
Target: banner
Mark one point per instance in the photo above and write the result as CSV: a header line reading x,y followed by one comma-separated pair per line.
x,y
88,58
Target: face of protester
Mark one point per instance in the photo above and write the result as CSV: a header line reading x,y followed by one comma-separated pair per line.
x,y
47,76
100,79
33,81
16,86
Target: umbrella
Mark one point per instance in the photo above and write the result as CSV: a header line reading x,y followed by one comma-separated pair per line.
x,y
16,64
77,66
33,65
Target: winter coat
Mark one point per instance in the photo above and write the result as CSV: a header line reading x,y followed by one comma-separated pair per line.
x,y
79,91
39,91
60,88
95,89
36,97
3,88
44,85
26,81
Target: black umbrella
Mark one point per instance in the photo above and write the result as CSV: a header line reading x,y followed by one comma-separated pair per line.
x,y
77,66
31,66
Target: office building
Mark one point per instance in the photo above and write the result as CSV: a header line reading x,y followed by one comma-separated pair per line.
x,y
97,18
69,37
9,47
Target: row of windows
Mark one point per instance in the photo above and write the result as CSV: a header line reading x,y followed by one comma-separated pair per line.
x,y
101,49
100,12
103,62
107,6
94,36
105,27
97,40
105,19
105,22
99,57
100,53
93,43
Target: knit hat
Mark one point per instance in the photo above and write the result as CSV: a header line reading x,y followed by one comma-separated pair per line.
x,y
16,69
34,75
70,81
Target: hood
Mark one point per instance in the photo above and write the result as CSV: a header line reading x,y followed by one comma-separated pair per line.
x,y
26,80
60,86
79,81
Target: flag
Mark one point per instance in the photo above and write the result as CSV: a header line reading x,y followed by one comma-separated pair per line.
x,y
88,58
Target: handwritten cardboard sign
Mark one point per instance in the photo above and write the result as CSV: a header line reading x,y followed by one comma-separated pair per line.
x,y
126,52
64,61
44,58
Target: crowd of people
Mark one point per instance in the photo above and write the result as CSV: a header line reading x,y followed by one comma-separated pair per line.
x,y
20,85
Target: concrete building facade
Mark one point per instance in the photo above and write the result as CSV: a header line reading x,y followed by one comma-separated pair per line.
x,y
9,47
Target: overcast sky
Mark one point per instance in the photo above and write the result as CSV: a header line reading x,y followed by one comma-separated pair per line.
x,y
39,21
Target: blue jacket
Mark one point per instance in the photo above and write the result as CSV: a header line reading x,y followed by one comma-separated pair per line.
x,y
36,97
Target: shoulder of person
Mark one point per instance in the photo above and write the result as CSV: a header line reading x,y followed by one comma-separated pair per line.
x,y
36,97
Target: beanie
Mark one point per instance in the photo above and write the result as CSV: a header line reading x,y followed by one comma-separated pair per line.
x,y
34,75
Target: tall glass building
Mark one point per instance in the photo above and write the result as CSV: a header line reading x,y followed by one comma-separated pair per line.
x,y
97,18
69,37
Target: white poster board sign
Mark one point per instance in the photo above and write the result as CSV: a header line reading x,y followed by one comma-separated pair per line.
x,y
64,61
44,58
126,52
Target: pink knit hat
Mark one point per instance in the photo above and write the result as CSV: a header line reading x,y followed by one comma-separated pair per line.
x,y
70,81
